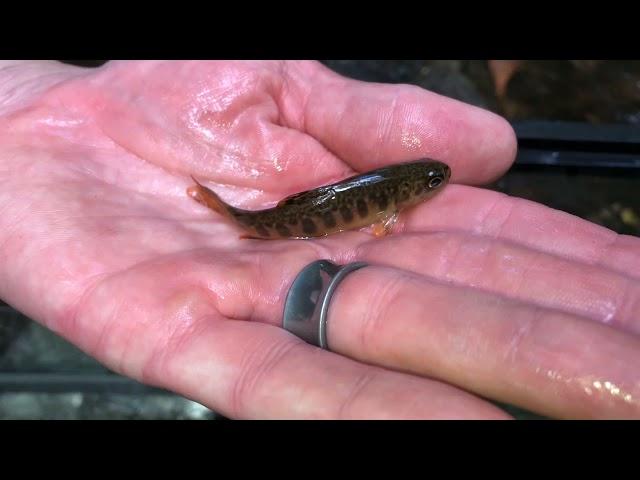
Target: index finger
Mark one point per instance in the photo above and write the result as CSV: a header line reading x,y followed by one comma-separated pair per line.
x,y
369,125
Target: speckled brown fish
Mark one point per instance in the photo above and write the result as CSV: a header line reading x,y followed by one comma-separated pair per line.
x,y
370,199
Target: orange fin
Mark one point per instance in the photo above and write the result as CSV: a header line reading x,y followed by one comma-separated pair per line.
x,y
208,198
379,230
383,228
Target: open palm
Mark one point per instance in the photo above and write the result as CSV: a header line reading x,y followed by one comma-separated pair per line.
x,y
474,293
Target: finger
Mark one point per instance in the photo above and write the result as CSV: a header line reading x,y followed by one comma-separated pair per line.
x,y
515,272
257,371
369,125
176,338
220,125
546,361
495,215
492,346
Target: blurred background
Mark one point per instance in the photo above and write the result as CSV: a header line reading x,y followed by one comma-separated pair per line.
x,y
578,126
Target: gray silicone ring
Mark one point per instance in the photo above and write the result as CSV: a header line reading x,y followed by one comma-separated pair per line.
x,y
308,300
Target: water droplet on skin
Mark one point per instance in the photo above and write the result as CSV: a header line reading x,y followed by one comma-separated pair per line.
x,y
608,311
59,122
606,387
277,164
590,386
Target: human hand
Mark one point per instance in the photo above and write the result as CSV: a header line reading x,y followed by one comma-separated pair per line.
x,y
474,295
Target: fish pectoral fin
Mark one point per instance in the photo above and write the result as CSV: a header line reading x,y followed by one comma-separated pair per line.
x,y
384,227
379,230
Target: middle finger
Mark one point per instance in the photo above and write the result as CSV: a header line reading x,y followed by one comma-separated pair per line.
x,y
514,271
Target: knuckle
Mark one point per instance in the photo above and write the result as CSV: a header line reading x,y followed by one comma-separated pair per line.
x,y
361,387
383,302
256,368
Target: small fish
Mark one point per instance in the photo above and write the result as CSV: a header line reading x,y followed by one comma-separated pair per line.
x,y
374,198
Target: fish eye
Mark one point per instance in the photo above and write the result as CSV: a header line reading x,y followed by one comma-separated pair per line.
x,y
435,182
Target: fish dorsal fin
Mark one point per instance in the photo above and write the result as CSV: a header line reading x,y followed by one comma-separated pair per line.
x,y
296,196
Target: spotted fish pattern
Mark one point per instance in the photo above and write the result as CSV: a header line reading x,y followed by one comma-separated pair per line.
x,y
372,198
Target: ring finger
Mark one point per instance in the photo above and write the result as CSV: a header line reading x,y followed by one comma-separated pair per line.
x,y
548,361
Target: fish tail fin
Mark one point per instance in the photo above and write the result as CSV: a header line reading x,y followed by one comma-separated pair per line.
x,y
208,198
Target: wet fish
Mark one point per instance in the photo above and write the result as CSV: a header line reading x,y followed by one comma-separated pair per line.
x,y
374,198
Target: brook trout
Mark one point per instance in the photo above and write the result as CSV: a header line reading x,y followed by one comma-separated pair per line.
x,y
374,198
